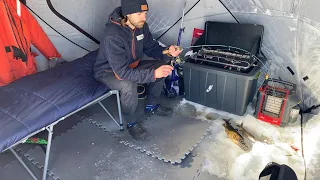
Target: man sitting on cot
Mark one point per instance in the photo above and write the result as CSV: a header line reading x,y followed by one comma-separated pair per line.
x,y
126,39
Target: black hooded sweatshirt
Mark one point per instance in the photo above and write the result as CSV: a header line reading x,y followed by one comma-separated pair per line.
x,y
122,48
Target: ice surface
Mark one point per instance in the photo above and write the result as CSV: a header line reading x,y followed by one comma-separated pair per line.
x,y
226,160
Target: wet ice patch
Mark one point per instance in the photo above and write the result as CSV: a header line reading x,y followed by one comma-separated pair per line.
x,y
188,108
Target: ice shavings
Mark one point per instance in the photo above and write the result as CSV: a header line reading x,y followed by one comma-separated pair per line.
x,y
282,145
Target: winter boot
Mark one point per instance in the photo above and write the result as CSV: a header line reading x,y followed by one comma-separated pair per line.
x,y
136,131
159,110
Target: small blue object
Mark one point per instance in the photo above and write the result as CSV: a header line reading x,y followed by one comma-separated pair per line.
x,y
150,107
129,125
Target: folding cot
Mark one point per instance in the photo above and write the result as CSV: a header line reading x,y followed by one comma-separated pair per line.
x,y
38,102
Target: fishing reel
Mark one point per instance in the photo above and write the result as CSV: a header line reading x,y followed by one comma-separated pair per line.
x,y
177,64
178,61
173,83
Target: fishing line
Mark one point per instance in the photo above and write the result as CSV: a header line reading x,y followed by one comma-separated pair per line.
x,y
302,134
302,148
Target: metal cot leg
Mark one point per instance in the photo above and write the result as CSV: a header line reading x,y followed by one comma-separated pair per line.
x,y
105,109
50,132
119,110
23,164
120,124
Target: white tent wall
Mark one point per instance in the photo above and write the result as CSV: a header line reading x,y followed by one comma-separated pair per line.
x,y
291,39
91,16
163,14
291,35
308,49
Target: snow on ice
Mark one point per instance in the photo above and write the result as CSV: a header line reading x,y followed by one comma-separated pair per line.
x,y
282,145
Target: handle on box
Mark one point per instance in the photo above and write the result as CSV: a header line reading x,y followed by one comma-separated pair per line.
x,y
282,82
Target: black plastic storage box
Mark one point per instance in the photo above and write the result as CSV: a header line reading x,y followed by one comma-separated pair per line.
x,y
222,88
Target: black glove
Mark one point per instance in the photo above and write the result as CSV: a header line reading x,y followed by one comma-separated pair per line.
x,y
56,62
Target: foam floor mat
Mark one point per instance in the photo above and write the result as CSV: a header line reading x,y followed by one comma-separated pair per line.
x,y
87,152
6,158
15,171
169,139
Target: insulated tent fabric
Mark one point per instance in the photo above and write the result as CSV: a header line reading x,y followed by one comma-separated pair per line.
x,y
292,33
91,16
36,101
292,30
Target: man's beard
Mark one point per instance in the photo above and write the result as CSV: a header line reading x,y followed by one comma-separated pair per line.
x,y
137,25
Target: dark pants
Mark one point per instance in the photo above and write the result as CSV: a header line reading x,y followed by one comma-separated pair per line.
x,y
129,93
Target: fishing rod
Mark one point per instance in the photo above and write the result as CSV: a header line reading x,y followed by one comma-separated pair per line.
x,y
175,77
181,25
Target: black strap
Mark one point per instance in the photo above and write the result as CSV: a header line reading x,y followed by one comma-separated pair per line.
x,y
17,53
23,2
309,109
8,49
70,22
56,30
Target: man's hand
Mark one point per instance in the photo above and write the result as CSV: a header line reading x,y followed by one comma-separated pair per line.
x,y
174,50
53,62
163,71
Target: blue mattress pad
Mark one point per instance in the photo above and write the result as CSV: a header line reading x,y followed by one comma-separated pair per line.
x,y
36,101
